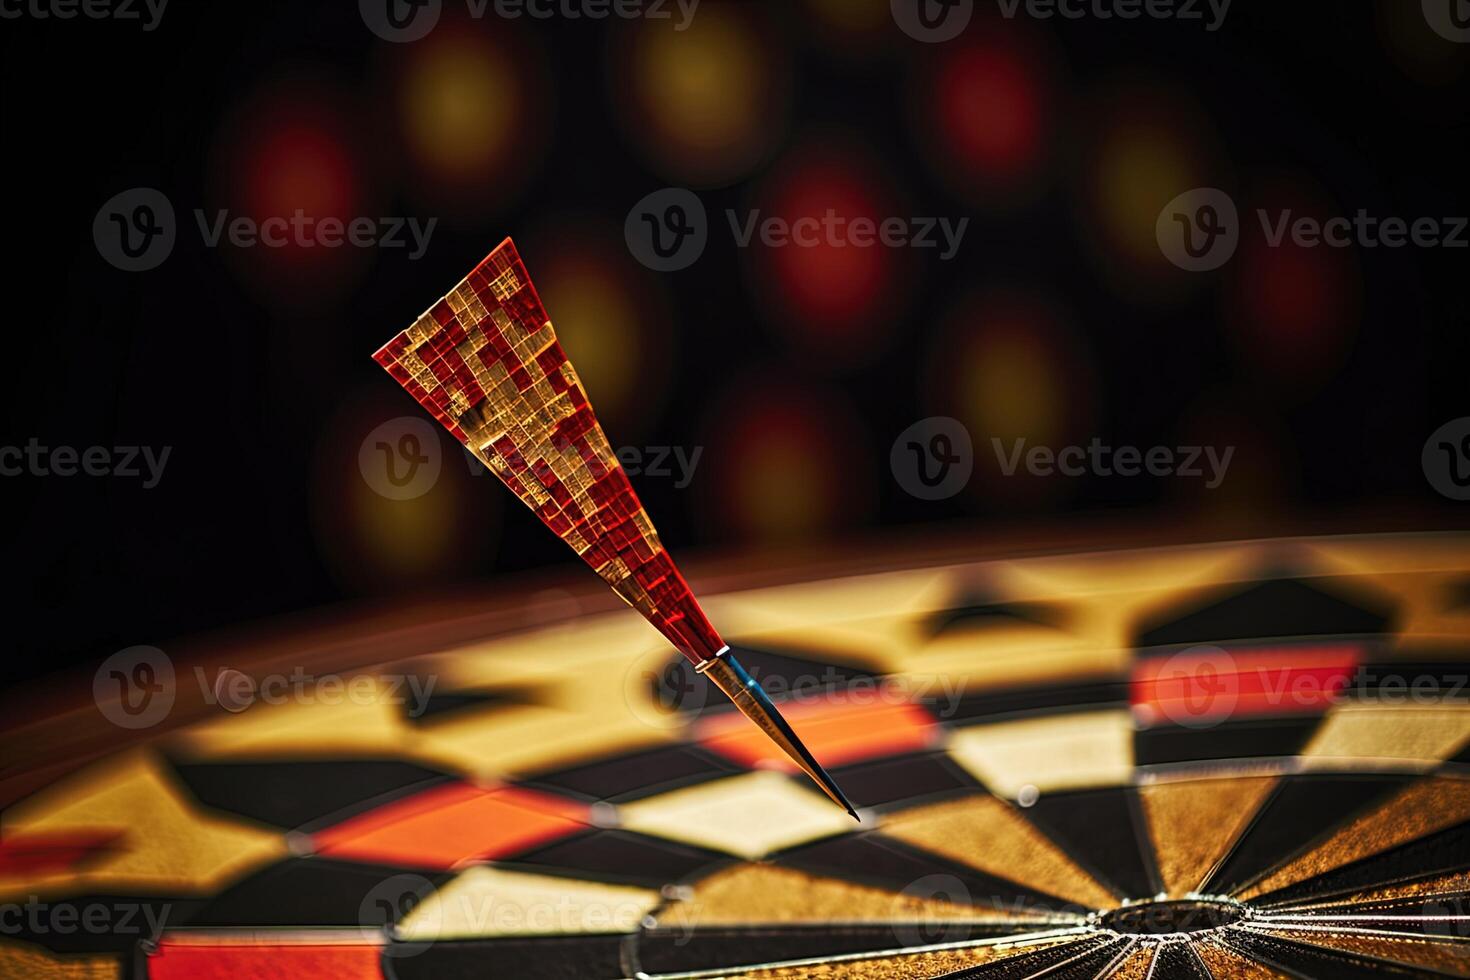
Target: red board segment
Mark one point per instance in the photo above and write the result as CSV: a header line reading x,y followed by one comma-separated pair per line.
x,y
58,853
1211,684
228,959
451,826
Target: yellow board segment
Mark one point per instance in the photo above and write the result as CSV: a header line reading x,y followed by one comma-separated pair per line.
x,y
1193,824
750,815
1417,735
168,844
1223,962
25,962
1136,966
485,901
762,894
988,834
1418,810
1055,753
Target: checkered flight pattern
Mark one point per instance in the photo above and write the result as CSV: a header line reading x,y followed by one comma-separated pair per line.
x,y
485,361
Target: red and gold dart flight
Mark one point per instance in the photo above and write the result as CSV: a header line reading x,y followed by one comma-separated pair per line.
x,y
485,362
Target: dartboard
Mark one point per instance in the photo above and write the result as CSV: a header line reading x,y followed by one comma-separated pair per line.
x,y
1227,760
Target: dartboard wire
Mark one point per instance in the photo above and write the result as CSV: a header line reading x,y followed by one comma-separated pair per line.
x,y
1265,929
1347,904
1098,941
1088,947
1191,948
1118,961
903,849
1191,770
1019,940
1377,960
1358,917
1153,963
1345,899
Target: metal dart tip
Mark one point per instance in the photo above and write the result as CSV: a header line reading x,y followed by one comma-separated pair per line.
x,y
753,702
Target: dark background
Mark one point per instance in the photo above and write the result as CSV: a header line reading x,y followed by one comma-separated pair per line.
x,y
1058,320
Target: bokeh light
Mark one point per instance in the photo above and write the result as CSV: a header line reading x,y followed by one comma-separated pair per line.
x,y
984,114
372,543
1008,364
851,28
831,297
787,462
612,317
473,107
1292,311
706,104
1146,146
291,147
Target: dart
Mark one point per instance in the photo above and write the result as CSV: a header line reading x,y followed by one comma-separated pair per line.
x,y
484,360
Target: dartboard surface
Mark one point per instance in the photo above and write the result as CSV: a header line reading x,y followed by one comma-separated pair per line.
x,y
1233,760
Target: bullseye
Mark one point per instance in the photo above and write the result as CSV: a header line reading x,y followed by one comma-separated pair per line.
x,y
1174,917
